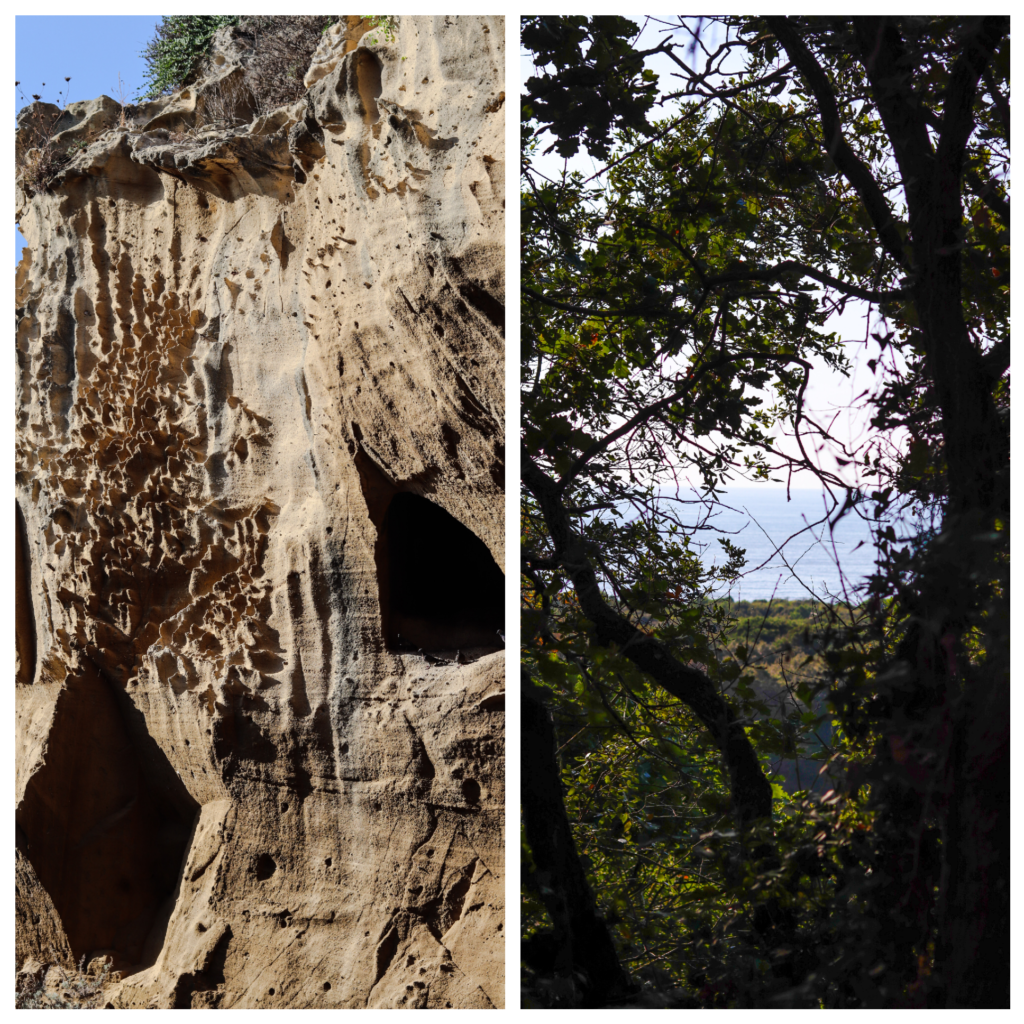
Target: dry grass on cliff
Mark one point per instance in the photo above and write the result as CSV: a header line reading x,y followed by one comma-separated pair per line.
x,y
276,51
42,165
53,988
38,158
282,49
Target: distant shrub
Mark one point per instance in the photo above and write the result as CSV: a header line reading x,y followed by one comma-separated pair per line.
x,y
174,56
778,621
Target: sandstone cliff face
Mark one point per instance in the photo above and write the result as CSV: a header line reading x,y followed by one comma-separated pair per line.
x,y
260,525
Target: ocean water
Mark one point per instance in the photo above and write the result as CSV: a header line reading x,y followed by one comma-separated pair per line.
x,y
817,562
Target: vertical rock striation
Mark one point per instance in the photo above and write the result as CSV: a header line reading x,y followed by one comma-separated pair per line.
x,y
260,532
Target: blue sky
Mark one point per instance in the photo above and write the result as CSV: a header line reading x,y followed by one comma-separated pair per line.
x,y
92,49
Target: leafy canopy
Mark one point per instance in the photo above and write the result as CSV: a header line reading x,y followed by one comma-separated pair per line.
x,y
675,305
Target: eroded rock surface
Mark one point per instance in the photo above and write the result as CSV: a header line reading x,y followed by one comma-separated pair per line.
x,y
260,532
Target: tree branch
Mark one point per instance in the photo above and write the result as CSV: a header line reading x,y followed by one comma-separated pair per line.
x,y
846,160
793,266
885,61
735,277
958,112
1001,102
655,408
751,792
988,194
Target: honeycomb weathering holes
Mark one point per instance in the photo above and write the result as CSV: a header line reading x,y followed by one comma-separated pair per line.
x,y
440,587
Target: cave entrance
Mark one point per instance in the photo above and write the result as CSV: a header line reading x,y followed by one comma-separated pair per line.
x,y
441,588
106,824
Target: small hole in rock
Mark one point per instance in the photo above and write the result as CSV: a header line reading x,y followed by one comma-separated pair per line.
x,y
471,791
284,807
327,986
271,991
328,862
265,867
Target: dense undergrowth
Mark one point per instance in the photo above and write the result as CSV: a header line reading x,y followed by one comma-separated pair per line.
x,y
697,909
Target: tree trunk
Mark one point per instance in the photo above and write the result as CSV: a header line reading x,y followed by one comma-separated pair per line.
x,y
583,942
973,949
972,937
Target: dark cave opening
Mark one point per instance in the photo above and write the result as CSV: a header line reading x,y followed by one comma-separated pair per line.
x,y
444,591
106,824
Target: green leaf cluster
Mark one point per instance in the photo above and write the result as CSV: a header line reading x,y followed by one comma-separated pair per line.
x,y
386,24
175,54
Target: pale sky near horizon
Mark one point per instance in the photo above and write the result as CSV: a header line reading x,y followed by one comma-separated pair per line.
x,y
828,394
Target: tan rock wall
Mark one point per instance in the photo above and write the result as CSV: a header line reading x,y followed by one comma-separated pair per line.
x,y
260,434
